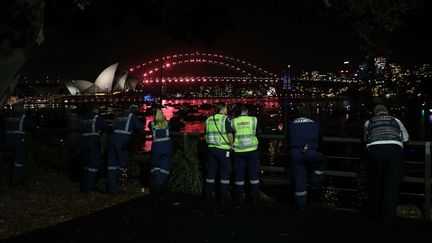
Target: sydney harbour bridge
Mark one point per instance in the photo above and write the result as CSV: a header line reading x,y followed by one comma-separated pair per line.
x,y
191,75
201,76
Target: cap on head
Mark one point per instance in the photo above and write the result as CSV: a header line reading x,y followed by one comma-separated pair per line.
x,y
380,109
133,107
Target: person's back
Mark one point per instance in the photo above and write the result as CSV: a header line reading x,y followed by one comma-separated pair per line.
x,y
246,157
161,151
385,136
304,136
91,126
124,124
219,138
304,131
17,124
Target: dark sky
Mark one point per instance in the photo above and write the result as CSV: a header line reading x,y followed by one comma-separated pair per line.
x,y
262,34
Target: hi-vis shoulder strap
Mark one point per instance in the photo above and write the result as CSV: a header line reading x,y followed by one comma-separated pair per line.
x,y
93,131
154,128
20,127
126,128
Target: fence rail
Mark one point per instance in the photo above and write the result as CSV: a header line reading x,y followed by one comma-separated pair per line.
x,y
426,179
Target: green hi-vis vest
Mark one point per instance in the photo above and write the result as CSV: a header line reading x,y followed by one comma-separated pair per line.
x,y
245,139
216,135
155,128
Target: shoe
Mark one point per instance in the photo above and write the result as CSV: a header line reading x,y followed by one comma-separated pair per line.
x,y
145,191
300,209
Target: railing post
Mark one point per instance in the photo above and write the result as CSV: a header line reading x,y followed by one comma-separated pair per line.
x,y
427,181
185,141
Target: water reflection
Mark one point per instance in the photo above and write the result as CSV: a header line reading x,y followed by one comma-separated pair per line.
x,y
343,117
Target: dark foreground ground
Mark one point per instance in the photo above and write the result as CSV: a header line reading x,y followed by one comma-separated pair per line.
x,y
182,218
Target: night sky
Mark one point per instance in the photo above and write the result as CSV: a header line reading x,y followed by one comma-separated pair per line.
x,y
264,34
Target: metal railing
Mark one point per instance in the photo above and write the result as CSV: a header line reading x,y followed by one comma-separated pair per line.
x,y
187,138
426,179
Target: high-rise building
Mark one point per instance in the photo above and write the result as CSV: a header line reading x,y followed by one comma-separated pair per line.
x,y
287,78
380,63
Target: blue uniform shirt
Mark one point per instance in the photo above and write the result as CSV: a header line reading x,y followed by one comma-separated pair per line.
x,y
91,124
161,132
304,131
18,123
126,123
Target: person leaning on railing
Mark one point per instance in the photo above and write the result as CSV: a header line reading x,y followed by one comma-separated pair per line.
x,y
125,123
304,136
384,136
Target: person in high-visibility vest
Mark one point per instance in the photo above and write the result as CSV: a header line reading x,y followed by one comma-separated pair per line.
x,y
161,151
91,126
304,136
245,154
219,138
124,124
17,124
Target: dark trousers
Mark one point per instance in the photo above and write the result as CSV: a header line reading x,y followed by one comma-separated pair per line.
x,y
217,160
91,152
117,160
161,164
301,162
246,161
19,147
386,172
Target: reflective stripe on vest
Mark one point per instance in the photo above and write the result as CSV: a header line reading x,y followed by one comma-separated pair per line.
x,y
20,127
126,129
245,133
216,133
93,131
154,128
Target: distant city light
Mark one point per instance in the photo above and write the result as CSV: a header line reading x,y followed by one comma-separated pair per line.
x,y
346,62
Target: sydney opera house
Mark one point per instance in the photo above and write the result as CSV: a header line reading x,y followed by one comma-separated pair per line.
x,y
106,83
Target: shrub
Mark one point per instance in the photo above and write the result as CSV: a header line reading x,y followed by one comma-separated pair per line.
x,y
186,174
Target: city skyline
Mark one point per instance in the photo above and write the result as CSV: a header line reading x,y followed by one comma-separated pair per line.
x,y
260,34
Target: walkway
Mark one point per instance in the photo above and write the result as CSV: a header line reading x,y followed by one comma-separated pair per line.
x,y
181,218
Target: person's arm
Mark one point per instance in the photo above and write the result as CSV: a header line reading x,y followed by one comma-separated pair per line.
x,y
405,135
230,132
101,123
138,125
365,127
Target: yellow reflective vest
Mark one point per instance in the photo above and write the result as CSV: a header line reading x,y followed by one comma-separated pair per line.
x,y
245,139
216,135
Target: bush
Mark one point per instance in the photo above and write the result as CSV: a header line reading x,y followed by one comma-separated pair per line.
x,y
186,176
